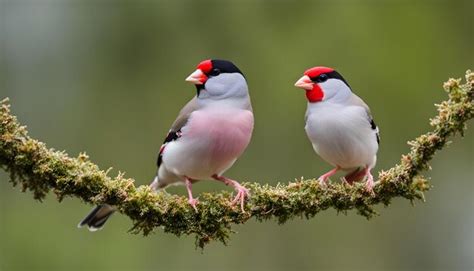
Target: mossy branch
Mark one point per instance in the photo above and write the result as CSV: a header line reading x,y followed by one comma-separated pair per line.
x,y
39,169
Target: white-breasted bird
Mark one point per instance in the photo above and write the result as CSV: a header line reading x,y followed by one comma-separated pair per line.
x,y
339,125
209,134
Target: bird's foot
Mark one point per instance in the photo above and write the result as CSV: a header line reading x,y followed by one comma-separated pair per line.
x,y
242,193
154,184
193,202
344,181
369,183
324,179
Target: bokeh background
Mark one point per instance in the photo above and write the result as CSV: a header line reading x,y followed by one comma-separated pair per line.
x,y
107,77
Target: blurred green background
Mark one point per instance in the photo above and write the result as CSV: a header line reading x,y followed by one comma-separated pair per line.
x,y
107,77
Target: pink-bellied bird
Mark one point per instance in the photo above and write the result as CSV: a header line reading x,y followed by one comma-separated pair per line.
x,y
211,131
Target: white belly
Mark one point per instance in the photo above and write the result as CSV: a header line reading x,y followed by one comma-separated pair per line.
x,y
210,143
342,136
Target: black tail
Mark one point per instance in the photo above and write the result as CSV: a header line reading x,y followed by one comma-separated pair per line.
x,y
96,219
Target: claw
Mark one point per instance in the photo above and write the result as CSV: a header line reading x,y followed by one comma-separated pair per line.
x,y
369,184
191,199
242,193
323,180
344,181
193,202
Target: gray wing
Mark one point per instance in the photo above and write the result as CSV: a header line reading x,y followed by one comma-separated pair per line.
x,y
356,100
184,114
175,131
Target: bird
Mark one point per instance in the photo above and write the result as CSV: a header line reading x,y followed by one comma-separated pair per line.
x,y
340,126
211,131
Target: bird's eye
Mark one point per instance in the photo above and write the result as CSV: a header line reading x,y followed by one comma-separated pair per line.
x,y
215,72
322,78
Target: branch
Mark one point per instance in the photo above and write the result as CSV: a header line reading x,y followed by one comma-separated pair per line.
x,y
39,169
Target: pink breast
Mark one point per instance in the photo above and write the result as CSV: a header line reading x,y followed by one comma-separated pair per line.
x,y
226,133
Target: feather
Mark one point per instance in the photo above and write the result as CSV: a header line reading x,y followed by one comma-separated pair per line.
x,y
175,131
356,100
96,219
184,114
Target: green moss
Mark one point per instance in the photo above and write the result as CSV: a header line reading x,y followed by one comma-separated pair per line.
x,y
39,169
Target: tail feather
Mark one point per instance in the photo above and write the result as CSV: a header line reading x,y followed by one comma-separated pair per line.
x,y
96,219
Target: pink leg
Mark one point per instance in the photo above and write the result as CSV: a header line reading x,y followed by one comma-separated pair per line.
x,y
369,184
191,199
154,185
354,176
242,192
323,180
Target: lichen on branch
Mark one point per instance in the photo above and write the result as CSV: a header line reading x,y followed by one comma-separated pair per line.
x,y
39,170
